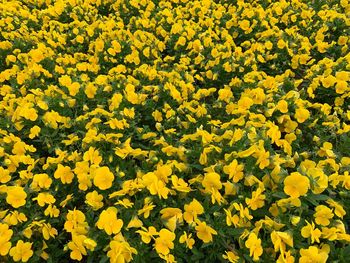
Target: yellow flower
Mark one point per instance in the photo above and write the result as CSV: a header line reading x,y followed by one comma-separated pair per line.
x,y
90,244
48,231
286,258
257,200
243,211
341,87
254,245
328,81
51,211
326,150
179,184
342,76
44,198
155,186
282,106
245,103
225,95
230,188
22,251
93,156
16,196
295,220
64,173
90,90
34,132
313,254
115,101
176,28
231,219
331,233
212,181
146,52
130,94
281,44
170,217
280,239
13,218
147,235
169,258
120,251
163,172
73,88
296,185
103,178
147,208
64,80
301,115
310,231
52,118
274,133
157,115
77,247
75,222
134,222
231,256
234,170
80,39
319,178
248,152
11,58
192,210
203,159
262,158
181,42
109,222
342,40
164,242
4,175
205,232
197,45
94,199
116,46
244,25
5,237
338,209
29,113
187,239
323,215
84,174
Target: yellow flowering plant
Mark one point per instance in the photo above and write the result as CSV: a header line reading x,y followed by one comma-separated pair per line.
x,y
174,131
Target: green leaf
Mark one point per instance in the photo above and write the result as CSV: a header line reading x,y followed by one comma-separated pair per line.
x,y
346,252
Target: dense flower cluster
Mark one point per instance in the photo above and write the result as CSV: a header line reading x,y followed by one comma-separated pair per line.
x,y
174,130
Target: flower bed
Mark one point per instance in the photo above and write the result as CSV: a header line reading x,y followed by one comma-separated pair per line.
x,y
177,131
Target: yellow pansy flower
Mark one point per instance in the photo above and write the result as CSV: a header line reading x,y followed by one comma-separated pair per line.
x,y
64,173
94,199
205,232
254,245
22,251
322,215
109,222
313,254
296,185
103,178
164,242
5,237
187,239
16,196
192,210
